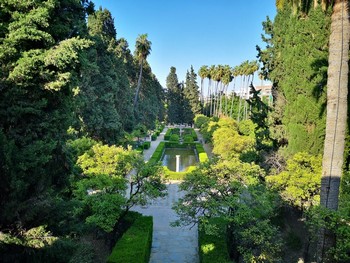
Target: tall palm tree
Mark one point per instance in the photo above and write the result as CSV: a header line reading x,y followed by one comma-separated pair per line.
x,y
226,80
337,90
203,73
210,76
217,77
235,74
143,49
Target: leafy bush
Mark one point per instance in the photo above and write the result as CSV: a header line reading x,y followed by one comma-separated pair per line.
x,y
200,120
174,138
135,245
154,137
188,138
146,145
139,149
213,246
191,132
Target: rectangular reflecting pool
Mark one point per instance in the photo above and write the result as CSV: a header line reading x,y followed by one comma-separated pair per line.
x,y
187,158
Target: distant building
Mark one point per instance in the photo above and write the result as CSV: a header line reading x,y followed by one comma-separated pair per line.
x,y
265,93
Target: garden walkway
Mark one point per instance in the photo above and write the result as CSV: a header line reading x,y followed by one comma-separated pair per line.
x,y
170,244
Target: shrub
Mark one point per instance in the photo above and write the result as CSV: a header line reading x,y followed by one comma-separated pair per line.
x,y
174,138
146,145
139,149
135,245
188,138
194,135
154,137
175,131
191,132
213,246
167,134
200,120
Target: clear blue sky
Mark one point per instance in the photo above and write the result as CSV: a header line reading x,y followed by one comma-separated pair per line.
x,y
192,32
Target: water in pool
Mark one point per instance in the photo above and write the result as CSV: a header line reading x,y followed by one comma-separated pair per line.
x,y
187,158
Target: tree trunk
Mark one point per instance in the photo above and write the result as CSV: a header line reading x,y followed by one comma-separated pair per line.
x,y
138,85
240,102
337,90
202,103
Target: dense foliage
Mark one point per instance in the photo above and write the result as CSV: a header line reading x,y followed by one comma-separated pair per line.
x,y
295,60
65,75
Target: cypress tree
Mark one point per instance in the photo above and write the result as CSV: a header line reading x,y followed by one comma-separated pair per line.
x,y
296,61
191,97
174,97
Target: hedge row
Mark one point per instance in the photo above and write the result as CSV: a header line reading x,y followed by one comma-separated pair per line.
x,y
186,131
213,248
168,134
202,155
191,132
171,175
135,245
157,153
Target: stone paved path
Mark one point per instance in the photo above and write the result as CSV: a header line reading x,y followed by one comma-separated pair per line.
x,y
170,244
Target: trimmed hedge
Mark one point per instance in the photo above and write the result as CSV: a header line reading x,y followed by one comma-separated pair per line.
x,y
213,248
167,134
188,138
135,245
192,132
202,155
174,138
157,153
171,175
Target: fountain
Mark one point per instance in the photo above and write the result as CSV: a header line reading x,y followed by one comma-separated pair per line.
x,y
177,163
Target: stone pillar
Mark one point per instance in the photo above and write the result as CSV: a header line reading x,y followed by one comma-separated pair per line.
x,y
177,163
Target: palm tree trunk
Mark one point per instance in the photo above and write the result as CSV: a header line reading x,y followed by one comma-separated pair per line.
x,y
215,94
138,85
337,90
233,97
211,100
240,101
202,95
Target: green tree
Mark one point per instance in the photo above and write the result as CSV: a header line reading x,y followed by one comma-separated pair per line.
x,y
191,97
104,89
40,58
106,192
229,143
203,74
295,60
230,190
299,183
174,97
